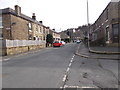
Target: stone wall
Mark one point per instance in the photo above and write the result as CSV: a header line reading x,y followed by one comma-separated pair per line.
x,y
10,47
20,49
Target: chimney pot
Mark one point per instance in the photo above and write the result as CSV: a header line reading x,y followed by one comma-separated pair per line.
x,y
41,22
33,16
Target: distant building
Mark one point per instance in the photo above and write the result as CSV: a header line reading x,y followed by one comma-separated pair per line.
x,y
56,35
64,35
82,32
78,34
69,32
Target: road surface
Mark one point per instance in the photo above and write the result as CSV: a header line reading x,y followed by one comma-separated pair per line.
x,y
58,68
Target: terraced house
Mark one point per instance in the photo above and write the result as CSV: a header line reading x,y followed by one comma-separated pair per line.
x,y
17,26
106,30
21,32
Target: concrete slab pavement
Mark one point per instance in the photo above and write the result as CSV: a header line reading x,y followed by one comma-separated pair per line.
x,y
97,52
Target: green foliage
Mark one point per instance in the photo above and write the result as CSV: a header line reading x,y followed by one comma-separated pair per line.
x,y
49,38
66,40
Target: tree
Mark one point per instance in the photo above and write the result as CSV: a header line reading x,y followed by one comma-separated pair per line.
x,y
49,39
67,40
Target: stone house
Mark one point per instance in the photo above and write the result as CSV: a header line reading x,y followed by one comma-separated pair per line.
x,y
17,26
63,35
106,30
56,35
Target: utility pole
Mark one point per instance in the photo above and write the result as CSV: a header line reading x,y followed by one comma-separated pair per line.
x,y
88,24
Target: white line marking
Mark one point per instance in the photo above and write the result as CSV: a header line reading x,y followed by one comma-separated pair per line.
x,y
73,56
71,61
66,86
65,76
6,59
61,87
70,64
68,69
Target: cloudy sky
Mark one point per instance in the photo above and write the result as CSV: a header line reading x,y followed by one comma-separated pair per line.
x,y
59,14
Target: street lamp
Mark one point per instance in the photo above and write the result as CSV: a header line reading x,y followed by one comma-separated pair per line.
x,y
88,25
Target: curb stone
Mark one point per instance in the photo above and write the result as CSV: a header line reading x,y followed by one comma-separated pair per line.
x,y
97,52
103,52
85,56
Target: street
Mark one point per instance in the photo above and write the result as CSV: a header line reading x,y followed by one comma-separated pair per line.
x,y
58,67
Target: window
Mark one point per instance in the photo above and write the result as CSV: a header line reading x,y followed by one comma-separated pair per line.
x,y
0,21
30,37
106,14
115,28
36,28
40,29
30,27
107,33
44,30
1,34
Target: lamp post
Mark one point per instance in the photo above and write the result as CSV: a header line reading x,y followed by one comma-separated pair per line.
x,y
88,25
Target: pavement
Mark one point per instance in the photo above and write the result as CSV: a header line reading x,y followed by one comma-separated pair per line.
x,y
98,52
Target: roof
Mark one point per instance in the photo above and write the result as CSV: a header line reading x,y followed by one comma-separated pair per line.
x,y
11,11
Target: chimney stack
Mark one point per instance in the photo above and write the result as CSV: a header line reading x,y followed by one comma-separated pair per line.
x,y
41,22
48,27
53,29
18,10
34,17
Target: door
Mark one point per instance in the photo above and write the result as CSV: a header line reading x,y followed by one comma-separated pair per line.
x,y
115,32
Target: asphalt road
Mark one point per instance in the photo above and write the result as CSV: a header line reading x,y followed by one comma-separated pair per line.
x,y
57,68
42,69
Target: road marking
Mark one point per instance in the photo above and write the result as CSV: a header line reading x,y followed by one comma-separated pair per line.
x,y
70,64
66,86
68,69
6,59
73,56
64,78
71,61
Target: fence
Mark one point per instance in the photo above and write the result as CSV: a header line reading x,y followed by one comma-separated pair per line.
x,y
17,43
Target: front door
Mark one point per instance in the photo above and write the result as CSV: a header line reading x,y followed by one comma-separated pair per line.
x,y
115,31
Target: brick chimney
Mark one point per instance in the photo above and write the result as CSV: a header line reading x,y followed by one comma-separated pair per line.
x,y
53,29
41,22
18,10
33,16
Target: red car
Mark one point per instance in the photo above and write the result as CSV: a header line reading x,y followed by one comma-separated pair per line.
x,y
57,44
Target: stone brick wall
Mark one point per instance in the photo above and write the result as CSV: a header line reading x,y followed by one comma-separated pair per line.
x,y
20,29
6,26
104,23
20,49
14,28
10,47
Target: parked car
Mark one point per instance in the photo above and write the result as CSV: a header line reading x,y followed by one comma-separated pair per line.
x,y
78,41
63,43
57,44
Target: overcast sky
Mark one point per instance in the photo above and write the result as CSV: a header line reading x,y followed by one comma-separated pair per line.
x,y
59,14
